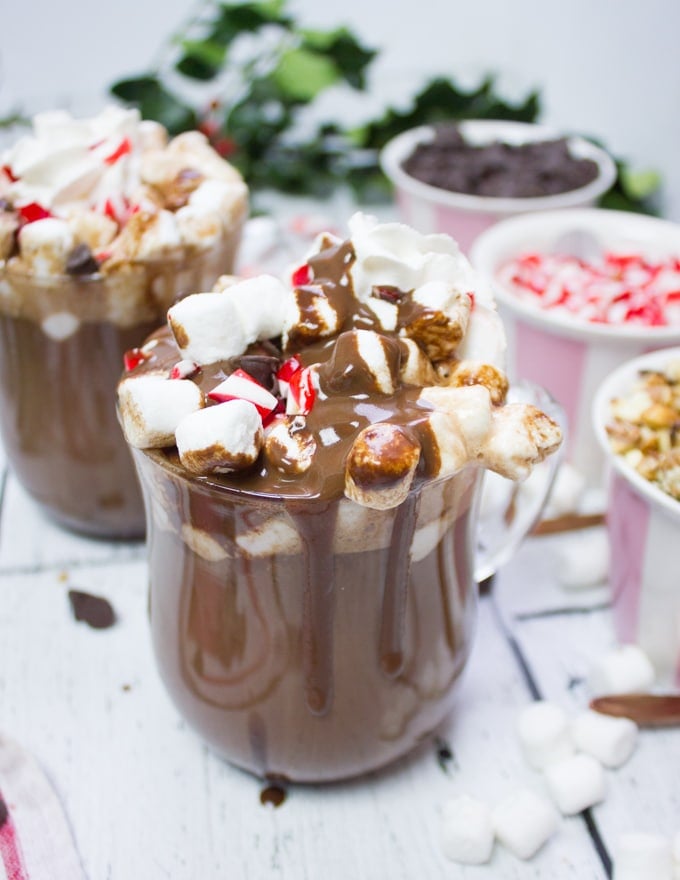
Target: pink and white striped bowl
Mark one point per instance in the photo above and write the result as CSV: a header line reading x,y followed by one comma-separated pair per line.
x,y
431,209
567,356
643,525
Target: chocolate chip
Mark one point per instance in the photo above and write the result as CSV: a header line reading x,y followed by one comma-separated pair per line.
x,y
81,261
96,611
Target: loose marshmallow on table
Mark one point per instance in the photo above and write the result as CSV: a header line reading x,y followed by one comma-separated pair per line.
x,y
220,439
624,670
151,408
643,855
524,821
610,740
543,732
467,834
586,564
575,783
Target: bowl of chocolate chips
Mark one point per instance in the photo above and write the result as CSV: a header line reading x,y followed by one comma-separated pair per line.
x,y
460,178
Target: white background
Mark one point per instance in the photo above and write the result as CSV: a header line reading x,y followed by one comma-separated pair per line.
x,y
608,68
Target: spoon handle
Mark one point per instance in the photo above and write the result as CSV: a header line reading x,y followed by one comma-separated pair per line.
x,y
647,710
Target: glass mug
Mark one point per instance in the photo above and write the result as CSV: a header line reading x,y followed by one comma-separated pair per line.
x,y
315,641
62,341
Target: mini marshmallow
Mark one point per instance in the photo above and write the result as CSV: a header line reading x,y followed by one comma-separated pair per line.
x,y
524,821
289,445
624,670
466,372
641,855
439,296
198,228
520,437
386,312
261,304
575,783
362,361
586,565
220,439
415,367
151,407
60,325
543,733
225,198
148,235
93,228
469,408
445,452
151,135
610,740
381,465
202,543
45,246
440,327
207,328
309,315
467,834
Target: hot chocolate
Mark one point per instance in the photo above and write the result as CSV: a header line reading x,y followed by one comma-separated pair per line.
x,y
310,456
103,225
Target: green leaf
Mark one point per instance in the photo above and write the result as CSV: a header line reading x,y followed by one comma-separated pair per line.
x,y
301,74
202,59
155,102
234,19
348,55
640,184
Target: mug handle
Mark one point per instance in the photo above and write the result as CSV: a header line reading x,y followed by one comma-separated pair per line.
x,y
509,510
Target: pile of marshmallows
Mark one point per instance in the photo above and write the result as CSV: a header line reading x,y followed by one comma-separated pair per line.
x,y
571,753
161,409
86,195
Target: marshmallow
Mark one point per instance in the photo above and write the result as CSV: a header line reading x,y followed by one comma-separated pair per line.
x,y
220,439
469,408
151,407
148,236
484,338
45,246
95,230
381,465
467,834
624,670
274,537
457,373
151,135
202,543
261,304
443,448
643,855
362,361
543,733
8,227
440,326
387,313
207,328
575,783
415,367
60,325
198,228
587,564
194,151
524,821
225,198
309,315
289,445
520,436
610,740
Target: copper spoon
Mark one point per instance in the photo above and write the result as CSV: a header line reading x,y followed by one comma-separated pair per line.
x,y
647,710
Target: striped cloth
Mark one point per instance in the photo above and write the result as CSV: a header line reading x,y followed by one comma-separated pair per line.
x,y
35,839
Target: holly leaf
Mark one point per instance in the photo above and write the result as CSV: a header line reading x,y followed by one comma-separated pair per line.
x,y
156,102
301,74
348,55
202,59
234,19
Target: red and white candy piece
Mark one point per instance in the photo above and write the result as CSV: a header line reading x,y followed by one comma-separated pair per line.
x,y
301,391
183,369
241,386
133,357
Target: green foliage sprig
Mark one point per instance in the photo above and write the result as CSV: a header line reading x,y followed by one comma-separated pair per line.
x,y
245,72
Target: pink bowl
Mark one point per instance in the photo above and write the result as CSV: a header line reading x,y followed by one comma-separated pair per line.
x,y
431,209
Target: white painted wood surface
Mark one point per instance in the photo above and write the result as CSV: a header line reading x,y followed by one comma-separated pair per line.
x,y
146,799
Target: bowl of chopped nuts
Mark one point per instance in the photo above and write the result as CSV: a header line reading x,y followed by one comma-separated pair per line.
x,y
580,293
461,178
636,417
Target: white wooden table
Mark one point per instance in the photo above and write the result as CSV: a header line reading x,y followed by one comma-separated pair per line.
x,y
146,800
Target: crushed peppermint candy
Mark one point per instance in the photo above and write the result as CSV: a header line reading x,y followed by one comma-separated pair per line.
x,y
619,288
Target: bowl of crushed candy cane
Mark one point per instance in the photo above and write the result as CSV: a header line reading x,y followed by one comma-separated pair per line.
x,y
580,293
